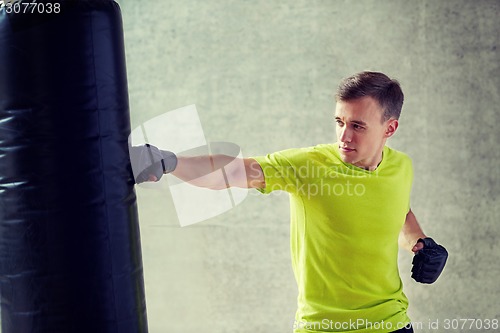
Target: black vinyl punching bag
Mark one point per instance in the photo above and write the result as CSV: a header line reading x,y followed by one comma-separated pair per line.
x,y
70,258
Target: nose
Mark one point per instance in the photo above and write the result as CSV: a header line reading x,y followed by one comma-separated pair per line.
x,y
345,134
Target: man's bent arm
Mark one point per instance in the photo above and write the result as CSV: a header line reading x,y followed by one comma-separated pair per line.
x,y
410,233
219,172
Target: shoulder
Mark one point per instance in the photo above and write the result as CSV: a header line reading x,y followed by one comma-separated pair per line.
x,y
298,156
396,157
317,152
324,148
398,162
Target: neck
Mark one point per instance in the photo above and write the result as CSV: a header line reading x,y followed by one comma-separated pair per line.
x,y
372,164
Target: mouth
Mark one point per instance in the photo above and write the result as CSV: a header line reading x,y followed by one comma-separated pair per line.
x,y
346,149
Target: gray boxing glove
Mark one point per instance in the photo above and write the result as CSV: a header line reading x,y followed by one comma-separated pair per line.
x,y
148,160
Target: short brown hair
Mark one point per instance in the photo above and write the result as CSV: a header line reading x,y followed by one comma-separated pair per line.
x,y
386,91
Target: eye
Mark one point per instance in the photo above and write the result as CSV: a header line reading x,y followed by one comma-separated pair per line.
x,y
339,122
358,127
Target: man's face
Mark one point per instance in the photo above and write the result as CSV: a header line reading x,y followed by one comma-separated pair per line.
x,y
361,134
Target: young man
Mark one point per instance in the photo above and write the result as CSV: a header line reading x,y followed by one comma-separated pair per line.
x,y
350,203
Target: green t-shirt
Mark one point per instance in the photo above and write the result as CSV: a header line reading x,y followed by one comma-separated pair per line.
x,y
345,223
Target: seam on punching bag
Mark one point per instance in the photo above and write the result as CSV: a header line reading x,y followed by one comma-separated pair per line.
x,y
91,13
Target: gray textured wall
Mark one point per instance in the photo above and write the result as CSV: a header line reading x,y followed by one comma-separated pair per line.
x,y
262,74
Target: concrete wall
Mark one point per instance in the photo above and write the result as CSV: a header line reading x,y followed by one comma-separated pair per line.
x,y
262,74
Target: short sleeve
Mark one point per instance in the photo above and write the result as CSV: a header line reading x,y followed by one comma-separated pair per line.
x,y
281,170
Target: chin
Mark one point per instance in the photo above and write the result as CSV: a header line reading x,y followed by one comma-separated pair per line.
x,y
347,159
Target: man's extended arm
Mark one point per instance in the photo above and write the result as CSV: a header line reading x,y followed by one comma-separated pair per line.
x,y
210,171
219,172
411,233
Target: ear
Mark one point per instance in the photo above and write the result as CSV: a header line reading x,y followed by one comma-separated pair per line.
x,y
391,127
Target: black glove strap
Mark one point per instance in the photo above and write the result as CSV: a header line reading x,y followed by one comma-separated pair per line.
x,y
428,242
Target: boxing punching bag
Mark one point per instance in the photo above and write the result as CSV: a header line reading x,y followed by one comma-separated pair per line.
x,y
70,258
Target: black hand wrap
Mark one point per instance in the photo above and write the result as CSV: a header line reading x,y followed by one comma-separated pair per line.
x,y
428,263
148,160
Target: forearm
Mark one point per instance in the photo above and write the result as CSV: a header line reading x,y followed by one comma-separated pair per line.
x,y
200,170
411,232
